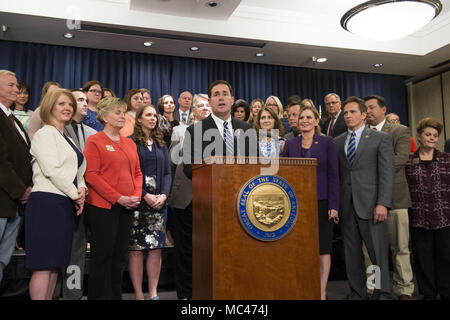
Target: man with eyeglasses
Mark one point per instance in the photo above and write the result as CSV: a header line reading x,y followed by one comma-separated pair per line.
x,y
335,124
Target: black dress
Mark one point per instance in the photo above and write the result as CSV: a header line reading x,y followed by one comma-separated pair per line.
x,y
49,227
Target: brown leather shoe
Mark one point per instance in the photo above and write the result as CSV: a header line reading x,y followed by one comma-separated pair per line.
x,y
404,297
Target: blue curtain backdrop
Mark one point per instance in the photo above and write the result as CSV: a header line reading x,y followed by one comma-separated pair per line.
x,y
72,67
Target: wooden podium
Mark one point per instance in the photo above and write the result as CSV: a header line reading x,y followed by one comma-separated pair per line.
x,y
230,264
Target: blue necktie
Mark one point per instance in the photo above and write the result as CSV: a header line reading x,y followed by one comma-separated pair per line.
x,y
351,148
228,139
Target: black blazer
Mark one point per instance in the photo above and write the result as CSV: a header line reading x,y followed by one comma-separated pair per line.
x,y
338,127
15,166
242,147
447,146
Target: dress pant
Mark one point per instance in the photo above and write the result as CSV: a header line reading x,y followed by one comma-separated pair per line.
x,y
355,232
8,234
398,232
183,251
110,233
72,288
431,252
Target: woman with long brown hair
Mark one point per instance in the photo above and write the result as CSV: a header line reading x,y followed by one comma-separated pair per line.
x,y
150,218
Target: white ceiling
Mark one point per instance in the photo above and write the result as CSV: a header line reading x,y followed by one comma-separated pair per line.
x,y
289,31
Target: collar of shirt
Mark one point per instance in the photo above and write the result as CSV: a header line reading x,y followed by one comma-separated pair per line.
x,y
358,133
337,115
379,126
219,123
6,110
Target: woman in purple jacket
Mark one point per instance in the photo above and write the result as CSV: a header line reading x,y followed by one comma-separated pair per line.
x,y
310,144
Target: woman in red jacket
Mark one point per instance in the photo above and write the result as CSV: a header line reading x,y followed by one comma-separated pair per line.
x,y
114,179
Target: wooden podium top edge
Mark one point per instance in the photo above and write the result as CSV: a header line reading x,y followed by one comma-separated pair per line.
x,y
255,160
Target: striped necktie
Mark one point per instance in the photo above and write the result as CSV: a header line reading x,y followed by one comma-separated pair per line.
x,y
351,148
228,139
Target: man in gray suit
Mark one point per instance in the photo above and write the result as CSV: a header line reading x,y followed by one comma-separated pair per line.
x,y
180,200
74,273
366,163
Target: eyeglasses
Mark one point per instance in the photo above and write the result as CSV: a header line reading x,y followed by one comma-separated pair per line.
x,y
331,103
95,91
394,121
271,105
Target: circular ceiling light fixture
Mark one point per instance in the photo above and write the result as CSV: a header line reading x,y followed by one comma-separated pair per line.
x,y
68,35
259,54
390,19
195,48
148,43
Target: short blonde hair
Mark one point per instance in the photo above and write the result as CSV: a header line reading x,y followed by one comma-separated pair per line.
x,y
48,103
7,73
106,105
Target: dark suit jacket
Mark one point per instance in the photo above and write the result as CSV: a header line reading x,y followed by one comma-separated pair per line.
x,y
369,179
324,150
15,166
197,139
401,142
447,146
339,126
176,115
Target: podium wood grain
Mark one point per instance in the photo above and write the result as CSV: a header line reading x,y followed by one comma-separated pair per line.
x,y
228,263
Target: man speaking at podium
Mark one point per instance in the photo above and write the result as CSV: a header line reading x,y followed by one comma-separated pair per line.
x,y
219,134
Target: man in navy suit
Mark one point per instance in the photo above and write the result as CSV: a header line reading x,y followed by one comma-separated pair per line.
x,y
219,134
15,168
335,124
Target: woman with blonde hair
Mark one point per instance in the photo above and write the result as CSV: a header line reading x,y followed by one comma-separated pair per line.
x,y
310,144
256,105
115,186
58,194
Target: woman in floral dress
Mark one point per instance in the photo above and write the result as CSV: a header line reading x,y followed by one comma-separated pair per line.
x,y
150,218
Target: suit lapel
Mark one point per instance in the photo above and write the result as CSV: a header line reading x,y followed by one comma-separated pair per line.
x,y
363,141
68,130
13,127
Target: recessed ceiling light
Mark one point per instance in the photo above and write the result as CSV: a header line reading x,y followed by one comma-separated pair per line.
x,y
195,48
148,43
212,4
259,54
400,18
320,60
378,65
68,35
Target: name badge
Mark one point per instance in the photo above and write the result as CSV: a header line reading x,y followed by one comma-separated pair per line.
x,y
110,147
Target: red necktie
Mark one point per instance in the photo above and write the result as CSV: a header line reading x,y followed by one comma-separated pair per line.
x,y
374,128
11,117
331,126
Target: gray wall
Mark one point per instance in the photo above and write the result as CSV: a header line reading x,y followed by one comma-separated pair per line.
x,y
430,98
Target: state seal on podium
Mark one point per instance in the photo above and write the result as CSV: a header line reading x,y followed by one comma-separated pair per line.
x,y
267,207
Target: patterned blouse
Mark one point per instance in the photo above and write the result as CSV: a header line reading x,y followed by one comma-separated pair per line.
x,y
429,186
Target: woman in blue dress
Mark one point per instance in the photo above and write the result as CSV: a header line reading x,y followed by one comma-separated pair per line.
x,y
270,131
150,218
58,194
